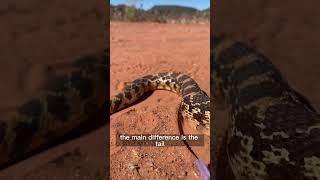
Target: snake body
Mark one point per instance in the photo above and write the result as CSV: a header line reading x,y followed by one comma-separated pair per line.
x,y
71,94
275,132
74,92
195,105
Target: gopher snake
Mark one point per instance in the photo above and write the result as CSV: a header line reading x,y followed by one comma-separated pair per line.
x,y
74,92
275,132
195,106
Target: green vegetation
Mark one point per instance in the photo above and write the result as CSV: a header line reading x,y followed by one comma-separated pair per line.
x,y
161,14
131,13
206,13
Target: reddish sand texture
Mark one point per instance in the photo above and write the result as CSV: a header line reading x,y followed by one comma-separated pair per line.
x,y
287,32
36,33
139,49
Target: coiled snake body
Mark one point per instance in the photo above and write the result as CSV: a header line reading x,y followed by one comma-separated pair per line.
x,y
195,106
275,132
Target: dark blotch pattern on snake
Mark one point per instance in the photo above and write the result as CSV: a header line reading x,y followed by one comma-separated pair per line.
x,y
195,105
275,132
73,92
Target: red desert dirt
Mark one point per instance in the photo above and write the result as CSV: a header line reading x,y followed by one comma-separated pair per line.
x,y
139,49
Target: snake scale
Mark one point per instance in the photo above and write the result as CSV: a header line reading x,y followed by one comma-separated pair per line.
x,y
71,94
275,132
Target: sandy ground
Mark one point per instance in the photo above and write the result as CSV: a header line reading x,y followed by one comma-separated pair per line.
x,y
139,49
37,33
287,32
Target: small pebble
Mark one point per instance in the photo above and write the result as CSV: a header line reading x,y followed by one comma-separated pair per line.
x,y
135,153
183,176
133,166
164,174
